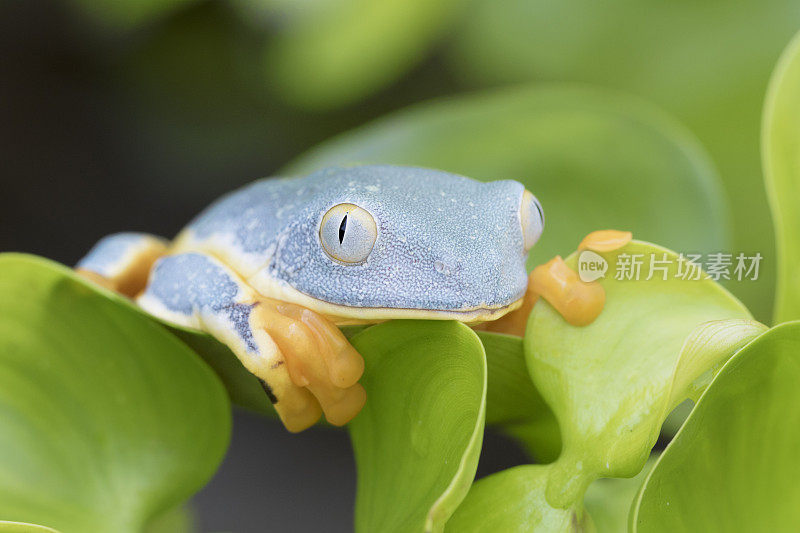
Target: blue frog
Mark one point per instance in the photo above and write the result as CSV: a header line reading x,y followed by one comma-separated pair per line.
x,y
271,270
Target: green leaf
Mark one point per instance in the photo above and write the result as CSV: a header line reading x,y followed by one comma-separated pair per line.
x,y
513,402
243,387
327,54
106,419
540,436
179,519
513,501
593,159
612,383
511,395
733,466
418,438
705,61
608,501
22,527
781,153
676,418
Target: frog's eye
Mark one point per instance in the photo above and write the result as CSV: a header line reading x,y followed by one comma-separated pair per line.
x,y
532,218
348,233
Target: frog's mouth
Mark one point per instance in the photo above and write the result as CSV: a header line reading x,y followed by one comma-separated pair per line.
x,y
349,316
346,315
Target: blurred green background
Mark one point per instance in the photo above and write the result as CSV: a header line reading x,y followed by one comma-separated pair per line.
x,y
134,114
142,111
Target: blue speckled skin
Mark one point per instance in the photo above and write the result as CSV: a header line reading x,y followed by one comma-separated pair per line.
x,y
105,257
196,283
445,242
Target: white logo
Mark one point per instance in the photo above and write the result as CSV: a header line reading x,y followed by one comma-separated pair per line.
x,y
591,266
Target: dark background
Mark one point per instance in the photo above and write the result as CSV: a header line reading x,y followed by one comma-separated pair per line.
x,y
102,135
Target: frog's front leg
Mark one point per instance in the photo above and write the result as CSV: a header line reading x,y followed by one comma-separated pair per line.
x,y
121,262
303,360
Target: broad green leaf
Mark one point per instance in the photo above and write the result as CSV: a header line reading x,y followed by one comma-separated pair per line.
x,y
513,501
540,436
179,519
513,402
595,160
733,466
706,62
418,438
106,419
781,154
612,383
22,527
176,520
331,53
511,395
243,387
608,501
676,418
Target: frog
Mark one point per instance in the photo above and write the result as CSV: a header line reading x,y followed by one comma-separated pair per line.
x,y
274,269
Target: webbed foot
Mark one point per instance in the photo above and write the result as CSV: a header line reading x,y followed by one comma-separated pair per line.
x,y
580,303
323,367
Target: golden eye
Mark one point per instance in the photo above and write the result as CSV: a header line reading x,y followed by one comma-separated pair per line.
x,y
348,233
532,218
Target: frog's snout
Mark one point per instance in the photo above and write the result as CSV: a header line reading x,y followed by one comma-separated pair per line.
x,y
491,283
531,217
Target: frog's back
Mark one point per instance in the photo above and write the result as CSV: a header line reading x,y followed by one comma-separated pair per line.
x,y
243,228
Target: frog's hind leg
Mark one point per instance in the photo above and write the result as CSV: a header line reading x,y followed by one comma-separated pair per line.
x,y
122,261
304,362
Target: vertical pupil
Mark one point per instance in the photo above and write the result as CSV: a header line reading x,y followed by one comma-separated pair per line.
x,y
342,228
539,210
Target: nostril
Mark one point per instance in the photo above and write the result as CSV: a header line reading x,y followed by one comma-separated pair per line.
x,y
442,268
531,217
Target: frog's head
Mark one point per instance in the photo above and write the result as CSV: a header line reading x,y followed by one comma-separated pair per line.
x,y
381,242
